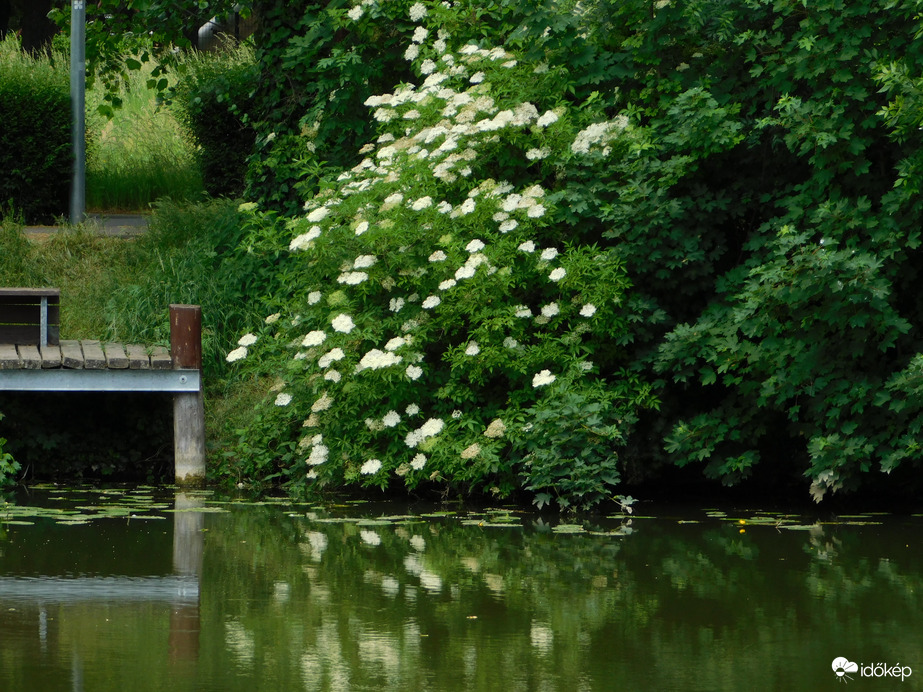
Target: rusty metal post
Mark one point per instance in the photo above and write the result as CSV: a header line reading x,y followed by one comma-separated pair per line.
x,y
188,407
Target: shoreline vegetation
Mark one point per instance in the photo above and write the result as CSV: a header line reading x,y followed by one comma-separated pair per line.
x,y
545,257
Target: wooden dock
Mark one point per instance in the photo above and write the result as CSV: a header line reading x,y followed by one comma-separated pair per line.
x,y
34,359
89,365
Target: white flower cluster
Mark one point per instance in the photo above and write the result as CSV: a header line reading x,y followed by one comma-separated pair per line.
x,y
319,451
377,359
598,135
371,467
430,428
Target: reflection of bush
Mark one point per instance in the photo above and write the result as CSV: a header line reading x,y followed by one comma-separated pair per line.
x,y
395,603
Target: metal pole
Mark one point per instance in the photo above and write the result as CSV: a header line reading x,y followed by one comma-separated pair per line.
x,y
78,109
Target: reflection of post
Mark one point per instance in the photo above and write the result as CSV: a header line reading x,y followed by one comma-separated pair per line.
x,y
188,544
188,409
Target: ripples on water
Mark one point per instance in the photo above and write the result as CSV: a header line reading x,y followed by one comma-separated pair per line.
x,y
134,590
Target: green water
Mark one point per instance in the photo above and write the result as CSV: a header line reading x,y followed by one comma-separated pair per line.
x,y
119,591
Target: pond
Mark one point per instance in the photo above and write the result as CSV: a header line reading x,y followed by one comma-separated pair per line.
x,y
138,590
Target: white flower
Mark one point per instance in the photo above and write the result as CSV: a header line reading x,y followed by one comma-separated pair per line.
x,y
475,246
438,256
318,214
466,207
419,35
412,52
497,428
588,310
283,399
430,428
236,354
535,211
362,227
523,311
364,261
543,378
370,467
528,246
322,404
414,371
391,418
315,338
466,271
456,413
332,376
431,302
319,453
247,340
549,254
343,323
392,201
412,114
352,278
473,349
376,359
550,310
447,284
417,11
418,462
547,119
355,12
314,297
412,409
537,154
508,225
422,203
471,452
510,342
477,78
427,66
557,274
330,357
396,304
273,318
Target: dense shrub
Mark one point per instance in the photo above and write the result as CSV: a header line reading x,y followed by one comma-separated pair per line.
x,y
35,135
436,328
742,177
215,99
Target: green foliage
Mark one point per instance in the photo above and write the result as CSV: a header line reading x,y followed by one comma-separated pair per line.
x,y
766,228
750,171
214,98
139,153
148,31
9,467
435,329
35,148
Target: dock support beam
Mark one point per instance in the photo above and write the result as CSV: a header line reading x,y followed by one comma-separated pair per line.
x,y
188,407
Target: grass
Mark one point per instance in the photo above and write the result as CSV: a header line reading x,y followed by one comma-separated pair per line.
x,y
140,155
120,289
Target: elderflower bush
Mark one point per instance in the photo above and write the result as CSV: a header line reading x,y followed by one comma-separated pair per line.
x,y
438,315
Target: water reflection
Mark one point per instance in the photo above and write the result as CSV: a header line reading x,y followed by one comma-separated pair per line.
x,y
285,597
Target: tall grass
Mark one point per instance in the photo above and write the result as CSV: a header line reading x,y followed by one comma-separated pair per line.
x,y
120,289
140,155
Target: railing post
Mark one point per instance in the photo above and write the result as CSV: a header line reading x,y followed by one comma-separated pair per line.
x,y
188,408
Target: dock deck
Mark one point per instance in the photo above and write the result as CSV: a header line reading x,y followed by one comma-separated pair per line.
x,y
90,365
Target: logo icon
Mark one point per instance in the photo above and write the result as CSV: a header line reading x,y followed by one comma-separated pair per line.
x,y
841,666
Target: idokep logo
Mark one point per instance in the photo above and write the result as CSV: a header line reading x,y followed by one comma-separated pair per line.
x,y
841,666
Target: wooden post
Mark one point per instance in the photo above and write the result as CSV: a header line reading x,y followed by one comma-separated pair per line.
x,y
188,407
